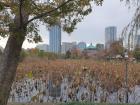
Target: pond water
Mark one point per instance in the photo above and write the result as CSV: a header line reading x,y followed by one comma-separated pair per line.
x,y
38,90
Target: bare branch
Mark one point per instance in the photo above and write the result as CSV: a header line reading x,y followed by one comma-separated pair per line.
x,y
20,12
131,30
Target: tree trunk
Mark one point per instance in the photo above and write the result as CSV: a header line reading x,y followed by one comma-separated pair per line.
x,y
9,62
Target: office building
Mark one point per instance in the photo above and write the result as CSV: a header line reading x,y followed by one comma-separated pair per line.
x,y
110,36
100,47
68,46
81,45
55,39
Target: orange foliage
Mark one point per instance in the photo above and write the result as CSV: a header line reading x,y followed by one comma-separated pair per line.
x,y
110,74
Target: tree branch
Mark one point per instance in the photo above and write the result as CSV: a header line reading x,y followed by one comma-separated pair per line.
x,y
20,12
4,4
48,13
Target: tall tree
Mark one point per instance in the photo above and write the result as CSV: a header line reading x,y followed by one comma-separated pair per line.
x,y
116,48
133,28
20,19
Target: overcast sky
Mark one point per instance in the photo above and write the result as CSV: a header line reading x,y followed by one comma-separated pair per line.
x,y
92,29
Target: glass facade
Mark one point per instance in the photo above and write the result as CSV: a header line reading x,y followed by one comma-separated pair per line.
x,y
110,36
55,39
82,45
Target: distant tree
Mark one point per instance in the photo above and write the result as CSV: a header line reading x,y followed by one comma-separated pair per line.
x,y
85,55
116,48
41,53
51,56
75,53
101,54
33,52
38,54
136,53
68,54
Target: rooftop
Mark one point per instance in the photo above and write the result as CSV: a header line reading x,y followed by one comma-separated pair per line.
x,y
91,47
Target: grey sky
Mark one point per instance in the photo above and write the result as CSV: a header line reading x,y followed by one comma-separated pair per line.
x,y
91,30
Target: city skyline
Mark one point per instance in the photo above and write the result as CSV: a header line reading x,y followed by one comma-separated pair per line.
x,y
91,30
71,46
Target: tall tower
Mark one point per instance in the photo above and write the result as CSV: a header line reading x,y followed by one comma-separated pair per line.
x,y
110,36
55,39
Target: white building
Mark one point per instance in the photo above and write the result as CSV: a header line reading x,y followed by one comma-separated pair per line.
x,y
67,46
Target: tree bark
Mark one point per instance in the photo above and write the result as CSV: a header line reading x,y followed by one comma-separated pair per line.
x,y
9,63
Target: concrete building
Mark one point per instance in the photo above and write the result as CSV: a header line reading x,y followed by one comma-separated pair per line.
x,y
55,39
100,47
110,36
68,46
43,47
81,45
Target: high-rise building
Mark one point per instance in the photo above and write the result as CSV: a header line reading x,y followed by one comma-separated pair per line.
x,y
137,41
55,39
81,45
110,36
68,46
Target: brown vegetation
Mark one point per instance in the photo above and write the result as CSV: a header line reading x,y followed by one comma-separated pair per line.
x,y
110,74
